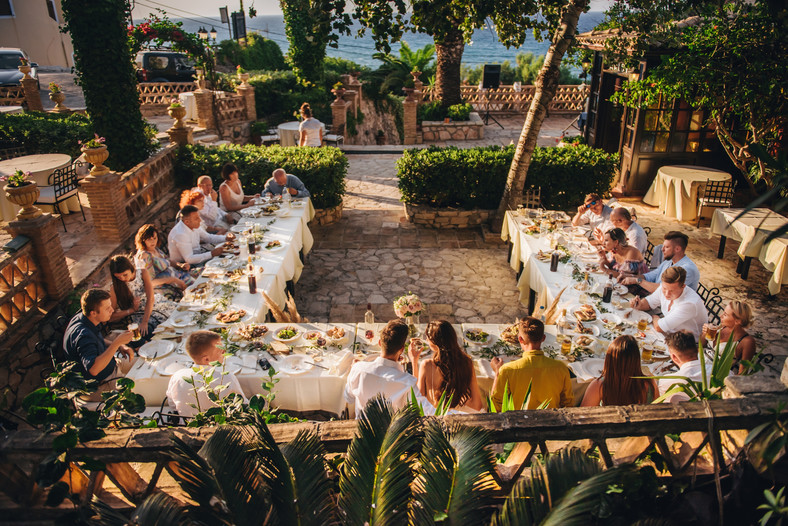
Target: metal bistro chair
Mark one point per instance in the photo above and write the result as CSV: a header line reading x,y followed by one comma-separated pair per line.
x,y
707,293
271,138
63,184
532,197
715,308
717,194
338,137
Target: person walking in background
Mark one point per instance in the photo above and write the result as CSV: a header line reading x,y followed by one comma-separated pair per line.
x,y
310,130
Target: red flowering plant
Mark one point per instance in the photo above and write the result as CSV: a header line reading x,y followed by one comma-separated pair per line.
x,y
95,142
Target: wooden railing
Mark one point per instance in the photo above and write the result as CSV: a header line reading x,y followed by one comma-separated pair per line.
x,y
230,111
12,95
506,99
162,92
144,184
21,289
710,433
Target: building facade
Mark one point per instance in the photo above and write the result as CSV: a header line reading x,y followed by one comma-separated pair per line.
x,y
34,26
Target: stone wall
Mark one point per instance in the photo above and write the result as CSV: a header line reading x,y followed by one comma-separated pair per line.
x,y
470,130
451,218
327,216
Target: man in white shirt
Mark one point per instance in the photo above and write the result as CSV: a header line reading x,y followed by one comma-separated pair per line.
x,y
674,249
185,238
681,306
683,351
385,375
211,214
594,213
636,236
187,392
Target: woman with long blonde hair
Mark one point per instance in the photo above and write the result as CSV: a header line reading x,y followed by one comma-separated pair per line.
x,y
449,371
736,317
619,383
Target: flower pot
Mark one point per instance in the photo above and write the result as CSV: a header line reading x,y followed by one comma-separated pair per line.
x,y
96,157
415,75
177,113
244,77
26,70
446,120
58,97
338,93
24,196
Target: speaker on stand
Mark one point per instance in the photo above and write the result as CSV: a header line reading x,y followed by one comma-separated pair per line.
x,y
491,79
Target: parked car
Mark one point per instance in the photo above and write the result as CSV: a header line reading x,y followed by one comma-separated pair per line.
x,y
9,62
164,66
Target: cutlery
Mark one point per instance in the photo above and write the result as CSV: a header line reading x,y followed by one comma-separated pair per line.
x,y
316,365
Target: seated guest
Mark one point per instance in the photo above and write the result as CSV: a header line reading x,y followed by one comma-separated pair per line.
x,y
674,251
310,130
211,214
281,180
549,378
134,300
84,344
187,392
593,212
449,372
185,238
683,351
169,279
626,259
197,198
681,306
619,383
736,317
621,218
385,375
231,193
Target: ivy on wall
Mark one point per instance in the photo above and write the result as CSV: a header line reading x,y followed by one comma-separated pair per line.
x,y
105,72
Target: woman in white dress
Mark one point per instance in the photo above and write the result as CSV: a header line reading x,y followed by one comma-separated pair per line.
x,y
310,129
231,193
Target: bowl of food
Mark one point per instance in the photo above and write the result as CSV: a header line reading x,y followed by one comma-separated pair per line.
x,y
510,334
287,334
316,338
231,316
584,312
252,331
476,336
336,335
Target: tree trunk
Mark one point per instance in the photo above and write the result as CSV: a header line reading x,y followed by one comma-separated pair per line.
x,y
546,86
448,57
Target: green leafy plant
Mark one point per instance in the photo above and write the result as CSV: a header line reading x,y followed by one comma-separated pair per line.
x,y
259,128
259,53
54,87
175,103
774,506
239,69
459,112
95,142
41,132
16,179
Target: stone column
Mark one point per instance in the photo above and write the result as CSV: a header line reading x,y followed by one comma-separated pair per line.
x,y
350,98
32,95
204,101
418,94
247,92
49,256
355,85
410,122
339,115
107,205
181,136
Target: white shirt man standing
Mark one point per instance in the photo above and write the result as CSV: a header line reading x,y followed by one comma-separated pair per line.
x,y
683,351
681,306
185,238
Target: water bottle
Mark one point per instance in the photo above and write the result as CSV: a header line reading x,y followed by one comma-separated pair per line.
x,y
369,317
285,196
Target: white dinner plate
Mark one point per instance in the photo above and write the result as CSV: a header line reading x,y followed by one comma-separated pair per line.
x,y
588,325
221,262
275,332
156,348
172,364
590,368
574,308
638,315
472,342
238,229
182,319
274,249
609,318
245,318
294,364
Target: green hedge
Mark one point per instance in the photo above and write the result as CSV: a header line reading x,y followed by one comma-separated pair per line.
x,y
278,96
475,177
322,170
46,132
433,111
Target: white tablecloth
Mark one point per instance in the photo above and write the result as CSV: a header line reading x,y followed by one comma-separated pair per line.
x,y
675,189
289,134
9,110
188,101
41,167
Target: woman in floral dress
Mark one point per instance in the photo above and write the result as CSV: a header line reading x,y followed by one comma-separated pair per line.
x,y
168,279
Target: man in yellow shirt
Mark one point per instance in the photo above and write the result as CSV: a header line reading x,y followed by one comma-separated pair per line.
x,y
549,378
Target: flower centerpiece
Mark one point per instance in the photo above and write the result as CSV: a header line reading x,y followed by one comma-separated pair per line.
x,y
22,191
177,111
96,153
409,307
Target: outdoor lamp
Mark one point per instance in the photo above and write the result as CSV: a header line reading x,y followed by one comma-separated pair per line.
x,y
202,33
213,33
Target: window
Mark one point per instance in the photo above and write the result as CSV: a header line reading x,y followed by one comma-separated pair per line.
x,y
6,8
51,9
656,127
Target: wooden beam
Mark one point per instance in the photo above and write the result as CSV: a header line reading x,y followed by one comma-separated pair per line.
x,y
127,480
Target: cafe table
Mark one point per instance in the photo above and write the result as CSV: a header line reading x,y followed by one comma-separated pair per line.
x,y
289,133
675,189
40,167
751,230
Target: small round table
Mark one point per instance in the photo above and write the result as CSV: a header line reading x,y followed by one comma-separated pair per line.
x,y
675,189
40,167
289,134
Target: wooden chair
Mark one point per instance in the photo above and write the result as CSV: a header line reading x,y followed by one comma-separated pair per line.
x,y
717,194
63,184
337,137
532,197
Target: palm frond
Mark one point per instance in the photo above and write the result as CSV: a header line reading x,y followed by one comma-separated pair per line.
x,y
195,475
532,497
279,315
455,481
313,503
375,478
160,510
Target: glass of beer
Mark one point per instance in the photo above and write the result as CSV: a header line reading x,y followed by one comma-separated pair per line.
x,y
642,324
646,354
566,345
136,335
711,332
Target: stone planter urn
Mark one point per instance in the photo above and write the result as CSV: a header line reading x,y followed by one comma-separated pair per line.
x,y
338,93
58,97
177,113
415,75
244,78
96,157
409,94
24,196
25,70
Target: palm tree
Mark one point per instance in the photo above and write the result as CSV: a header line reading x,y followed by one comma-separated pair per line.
x,y
396,71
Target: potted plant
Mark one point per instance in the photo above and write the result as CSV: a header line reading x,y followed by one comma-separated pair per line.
x,y
57,96
257,129
242,75
415,73
408,88
24,67
96,153
22,191
338,90
177,111
380,137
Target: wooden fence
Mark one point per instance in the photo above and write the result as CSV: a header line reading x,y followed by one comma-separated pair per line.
x,y
138,461
507,99
21,289
12,95
161,92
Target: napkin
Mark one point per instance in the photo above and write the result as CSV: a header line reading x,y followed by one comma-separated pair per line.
x,y
344,360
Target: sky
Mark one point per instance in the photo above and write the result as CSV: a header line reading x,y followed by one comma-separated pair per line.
x,y
211,7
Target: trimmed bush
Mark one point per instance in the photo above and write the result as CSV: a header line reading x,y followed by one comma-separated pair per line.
x,y
475,177
42,132
322,170
260,53
279,95
433,111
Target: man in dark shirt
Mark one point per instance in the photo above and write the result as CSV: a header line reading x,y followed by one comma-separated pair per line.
x,y
84,343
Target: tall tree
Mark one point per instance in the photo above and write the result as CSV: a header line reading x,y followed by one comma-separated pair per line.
x,y
105,71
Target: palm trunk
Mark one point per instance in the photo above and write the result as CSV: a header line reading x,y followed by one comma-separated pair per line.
x,y
546,86
448,57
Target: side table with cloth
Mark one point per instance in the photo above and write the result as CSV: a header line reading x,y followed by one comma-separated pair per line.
x,y
188,102
751,230
675,189
40,167
9,110
289,134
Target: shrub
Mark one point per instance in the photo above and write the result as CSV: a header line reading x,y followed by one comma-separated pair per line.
x,y
42,132
475,177
279,94
433,111
322,170
260,53
459,112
